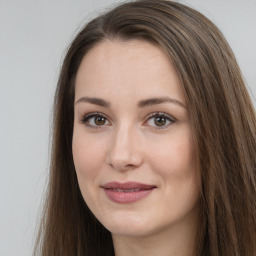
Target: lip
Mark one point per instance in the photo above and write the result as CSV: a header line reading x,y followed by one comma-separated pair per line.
x,y
127,192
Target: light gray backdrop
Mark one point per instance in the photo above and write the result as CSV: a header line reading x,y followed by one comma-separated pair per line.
x,y
34,36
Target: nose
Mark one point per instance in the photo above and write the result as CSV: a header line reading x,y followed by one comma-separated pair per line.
x,y
124,152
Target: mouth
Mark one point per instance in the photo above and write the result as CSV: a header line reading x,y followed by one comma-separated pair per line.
x,y
128,192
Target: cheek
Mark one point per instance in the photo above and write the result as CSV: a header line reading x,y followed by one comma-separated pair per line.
x,y
88,157
176,166
184,157
175,155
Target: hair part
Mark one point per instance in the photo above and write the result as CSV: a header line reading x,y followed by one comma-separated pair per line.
x,y
223,122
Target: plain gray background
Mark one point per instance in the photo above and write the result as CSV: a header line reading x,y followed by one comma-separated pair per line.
x,y
34,36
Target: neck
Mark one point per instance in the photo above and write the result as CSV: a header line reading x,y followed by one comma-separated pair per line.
x,y
179,240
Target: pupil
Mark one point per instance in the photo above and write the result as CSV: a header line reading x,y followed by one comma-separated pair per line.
x,y
160,121
99,120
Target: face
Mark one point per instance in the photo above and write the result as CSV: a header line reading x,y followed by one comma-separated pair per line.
x,y
132,141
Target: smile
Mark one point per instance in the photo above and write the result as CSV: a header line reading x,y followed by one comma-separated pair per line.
x,y
128,192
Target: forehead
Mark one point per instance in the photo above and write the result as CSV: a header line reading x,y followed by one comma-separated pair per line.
x,y
132,66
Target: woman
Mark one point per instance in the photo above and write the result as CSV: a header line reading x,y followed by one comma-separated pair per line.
x,y
154,140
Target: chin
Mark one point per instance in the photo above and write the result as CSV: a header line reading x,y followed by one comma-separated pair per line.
x,y
128,225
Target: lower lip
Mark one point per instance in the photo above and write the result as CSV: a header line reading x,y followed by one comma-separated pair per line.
x,y
127,197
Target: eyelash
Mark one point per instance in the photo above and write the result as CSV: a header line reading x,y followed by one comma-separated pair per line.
x,y
87,117
168,118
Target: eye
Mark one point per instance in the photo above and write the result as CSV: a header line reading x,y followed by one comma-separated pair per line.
x,y
95,120
159,120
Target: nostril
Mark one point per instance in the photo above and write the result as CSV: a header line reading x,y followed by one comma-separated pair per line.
x,y
124,152
125,163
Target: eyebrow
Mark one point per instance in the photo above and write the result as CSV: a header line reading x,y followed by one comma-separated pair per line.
x,y
155,101
141,104
95,101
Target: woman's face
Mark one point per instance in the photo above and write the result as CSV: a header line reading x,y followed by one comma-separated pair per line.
x,y
132,142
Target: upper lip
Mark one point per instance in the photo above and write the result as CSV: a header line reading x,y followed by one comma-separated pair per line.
x,y
127,185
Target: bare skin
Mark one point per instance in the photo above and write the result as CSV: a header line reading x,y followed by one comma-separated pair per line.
x,y
132,126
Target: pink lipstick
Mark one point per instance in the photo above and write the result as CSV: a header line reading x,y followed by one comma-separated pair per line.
x,y
128,192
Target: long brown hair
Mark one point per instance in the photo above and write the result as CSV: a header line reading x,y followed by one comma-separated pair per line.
x,y
223,121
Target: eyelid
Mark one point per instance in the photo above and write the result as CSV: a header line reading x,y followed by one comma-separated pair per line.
x,y
93,114
159,113
163,114
85,117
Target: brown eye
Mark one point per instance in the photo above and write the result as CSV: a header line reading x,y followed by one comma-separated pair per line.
x,y
160,121
99,120
95,120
